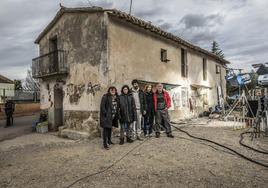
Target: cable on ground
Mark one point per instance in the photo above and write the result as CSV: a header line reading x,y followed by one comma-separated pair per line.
x,y
249,147
226,147
109,167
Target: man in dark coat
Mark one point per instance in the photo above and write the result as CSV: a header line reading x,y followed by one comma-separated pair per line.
x,y
128,114
141,108
109,115
9,109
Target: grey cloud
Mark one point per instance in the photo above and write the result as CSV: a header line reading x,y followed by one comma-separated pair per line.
x,y
239,26
19,27
200,20
165,26
145,14
203,37
199,29
99,3
105,4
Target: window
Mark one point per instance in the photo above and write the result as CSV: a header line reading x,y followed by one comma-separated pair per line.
x,y
184,66
204,69
53,44
164,55
218,69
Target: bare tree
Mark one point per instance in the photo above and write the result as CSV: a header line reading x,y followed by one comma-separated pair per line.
x,y
30,84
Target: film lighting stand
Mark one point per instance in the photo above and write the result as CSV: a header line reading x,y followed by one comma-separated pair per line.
x,y
241,100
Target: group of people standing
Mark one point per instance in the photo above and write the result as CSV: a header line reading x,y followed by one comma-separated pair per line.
x,y
136,111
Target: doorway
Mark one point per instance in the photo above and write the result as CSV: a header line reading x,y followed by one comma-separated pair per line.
x,y
58,108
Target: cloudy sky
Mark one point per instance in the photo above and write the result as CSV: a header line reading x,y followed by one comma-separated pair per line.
x,y
239,26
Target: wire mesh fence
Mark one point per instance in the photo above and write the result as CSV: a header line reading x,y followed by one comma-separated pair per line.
x,y
26,96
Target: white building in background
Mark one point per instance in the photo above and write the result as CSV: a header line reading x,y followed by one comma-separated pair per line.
x,y
6,88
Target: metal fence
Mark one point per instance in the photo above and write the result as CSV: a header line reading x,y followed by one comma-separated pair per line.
x,y
26,96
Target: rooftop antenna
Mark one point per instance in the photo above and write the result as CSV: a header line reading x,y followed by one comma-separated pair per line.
x,y
130,7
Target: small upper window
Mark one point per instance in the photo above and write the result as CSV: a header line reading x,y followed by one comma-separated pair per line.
x,y
164,55
218,69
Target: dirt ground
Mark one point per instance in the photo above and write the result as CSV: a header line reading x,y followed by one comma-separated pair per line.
x,y
22,125
45,160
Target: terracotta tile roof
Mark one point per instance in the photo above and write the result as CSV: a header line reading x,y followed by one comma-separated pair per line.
x,y
133,20
5,80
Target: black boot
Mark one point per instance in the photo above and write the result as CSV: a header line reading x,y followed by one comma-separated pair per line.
x,y
129,140
170,135
157,135
122,140
110,142
105,146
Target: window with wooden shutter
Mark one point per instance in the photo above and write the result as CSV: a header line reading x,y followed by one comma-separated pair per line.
x,y
164,57
184,66
218,69
204,69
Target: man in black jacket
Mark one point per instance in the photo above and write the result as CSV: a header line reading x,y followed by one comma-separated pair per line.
x,y
141,108
9,109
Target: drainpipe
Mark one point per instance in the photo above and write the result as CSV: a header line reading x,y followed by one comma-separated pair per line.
x,y
222,96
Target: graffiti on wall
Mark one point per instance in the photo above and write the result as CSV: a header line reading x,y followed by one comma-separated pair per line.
x,y
76,91
92,89
176,98
184,97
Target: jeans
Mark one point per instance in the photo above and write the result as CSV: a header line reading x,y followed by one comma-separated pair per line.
x,y
137,124
162,116
125,129
148,124
106,135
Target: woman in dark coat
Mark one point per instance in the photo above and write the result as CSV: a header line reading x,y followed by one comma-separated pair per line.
x,y
149,117
109,115
128,114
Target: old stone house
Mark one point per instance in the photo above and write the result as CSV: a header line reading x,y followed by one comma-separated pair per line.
x,y
83,51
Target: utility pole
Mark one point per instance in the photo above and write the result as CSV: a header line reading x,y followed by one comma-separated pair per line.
x,y
130,7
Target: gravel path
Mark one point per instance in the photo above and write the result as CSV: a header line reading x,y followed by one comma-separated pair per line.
x,y
22,125
36,160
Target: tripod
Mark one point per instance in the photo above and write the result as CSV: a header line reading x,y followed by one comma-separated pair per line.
x,y
244,101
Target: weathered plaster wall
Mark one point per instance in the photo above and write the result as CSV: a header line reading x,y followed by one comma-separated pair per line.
x,y
83,36
96,62
135,54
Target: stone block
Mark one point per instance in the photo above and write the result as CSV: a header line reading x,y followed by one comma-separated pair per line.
x,y
74,135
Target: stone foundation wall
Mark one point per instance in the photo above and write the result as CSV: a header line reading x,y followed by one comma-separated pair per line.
x,y
86,121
